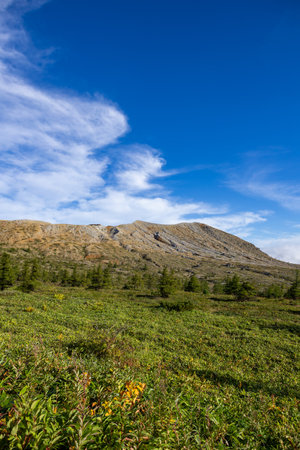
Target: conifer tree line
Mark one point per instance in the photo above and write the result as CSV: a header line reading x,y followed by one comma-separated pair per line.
x,y
27,275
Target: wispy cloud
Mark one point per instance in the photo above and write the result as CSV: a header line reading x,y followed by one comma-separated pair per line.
x,y
141,165
265,179
285,249
235,223
287,195
51,158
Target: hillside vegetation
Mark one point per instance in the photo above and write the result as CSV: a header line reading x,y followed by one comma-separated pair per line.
x,y
188,248
130,353
136,367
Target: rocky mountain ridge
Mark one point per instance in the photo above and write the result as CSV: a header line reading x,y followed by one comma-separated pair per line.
x,y
158,243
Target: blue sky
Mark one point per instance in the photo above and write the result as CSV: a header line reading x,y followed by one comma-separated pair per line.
x,y
164,111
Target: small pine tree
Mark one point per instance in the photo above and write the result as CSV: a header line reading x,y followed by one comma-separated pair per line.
x,y
64,278
149,280
218,288
35,270
232,285
273,291
96,278
75,278
166,284
6,272
107,281
294,291
244,291
134,282
28,284
204,287
193,284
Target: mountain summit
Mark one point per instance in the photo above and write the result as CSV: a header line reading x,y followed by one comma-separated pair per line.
x,y
192,241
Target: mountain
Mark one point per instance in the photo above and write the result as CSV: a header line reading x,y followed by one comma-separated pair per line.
x,y
188,247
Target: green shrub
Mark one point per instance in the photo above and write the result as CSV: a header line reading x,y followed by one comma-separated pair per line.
x,y
178,306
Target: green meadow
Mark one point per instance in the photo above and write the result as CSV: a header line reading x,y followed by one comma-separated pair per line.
x,y
87,369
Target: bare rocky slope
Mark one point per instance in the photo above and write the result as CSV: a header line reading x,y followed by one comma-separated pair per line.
x,y
181,244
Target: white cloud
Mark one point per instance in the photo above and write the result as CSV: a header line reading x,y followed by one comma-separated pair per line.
x,y
255,182
286,248
136,172
117,206
235,223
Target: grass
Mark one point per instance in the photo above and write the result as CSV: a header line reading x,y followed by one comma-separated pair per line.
x,y
83,369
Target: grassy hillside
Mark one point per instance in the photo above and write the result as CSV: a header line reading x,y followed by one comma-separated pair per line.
x,y
125,369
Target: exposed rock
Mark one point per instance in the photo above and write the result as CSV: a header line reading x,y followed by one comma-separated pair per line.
x,y
181,244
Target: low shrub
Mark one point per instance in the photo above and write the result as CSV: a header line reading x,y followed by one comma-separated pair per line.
x,y
178,306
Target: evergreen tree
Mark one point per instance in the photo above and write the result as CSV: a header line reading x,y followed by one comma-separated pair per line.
x,y
218,288
45,275
273,291
35,270
150,280
294,291
96,278
244,291
64,277
75,278
28,284
134,282
204,287
166,284
193,284
232,285
107,281
6,272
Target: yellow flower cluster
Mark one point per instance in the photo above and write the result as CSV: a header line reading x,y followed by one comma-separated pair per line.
x,y
127,398
107,406
59,296
131,393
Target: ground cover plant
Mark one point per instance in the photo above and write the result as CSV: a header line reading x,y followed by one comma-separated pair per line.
x,y
87,368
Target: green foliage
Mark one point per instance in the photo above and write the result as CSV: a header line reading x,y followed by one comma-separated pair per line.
x,y
35,270
273,291
218,288
28,280
6,272
135,281
167,283
107,279
150,280
232,285
294,291
105,368
244,291
101,370
177,306
96,278
64,277
75,279
193,284
204,287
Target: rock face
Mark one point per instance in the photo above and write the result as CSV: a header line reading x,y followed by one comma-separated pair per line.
x,y
184,243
